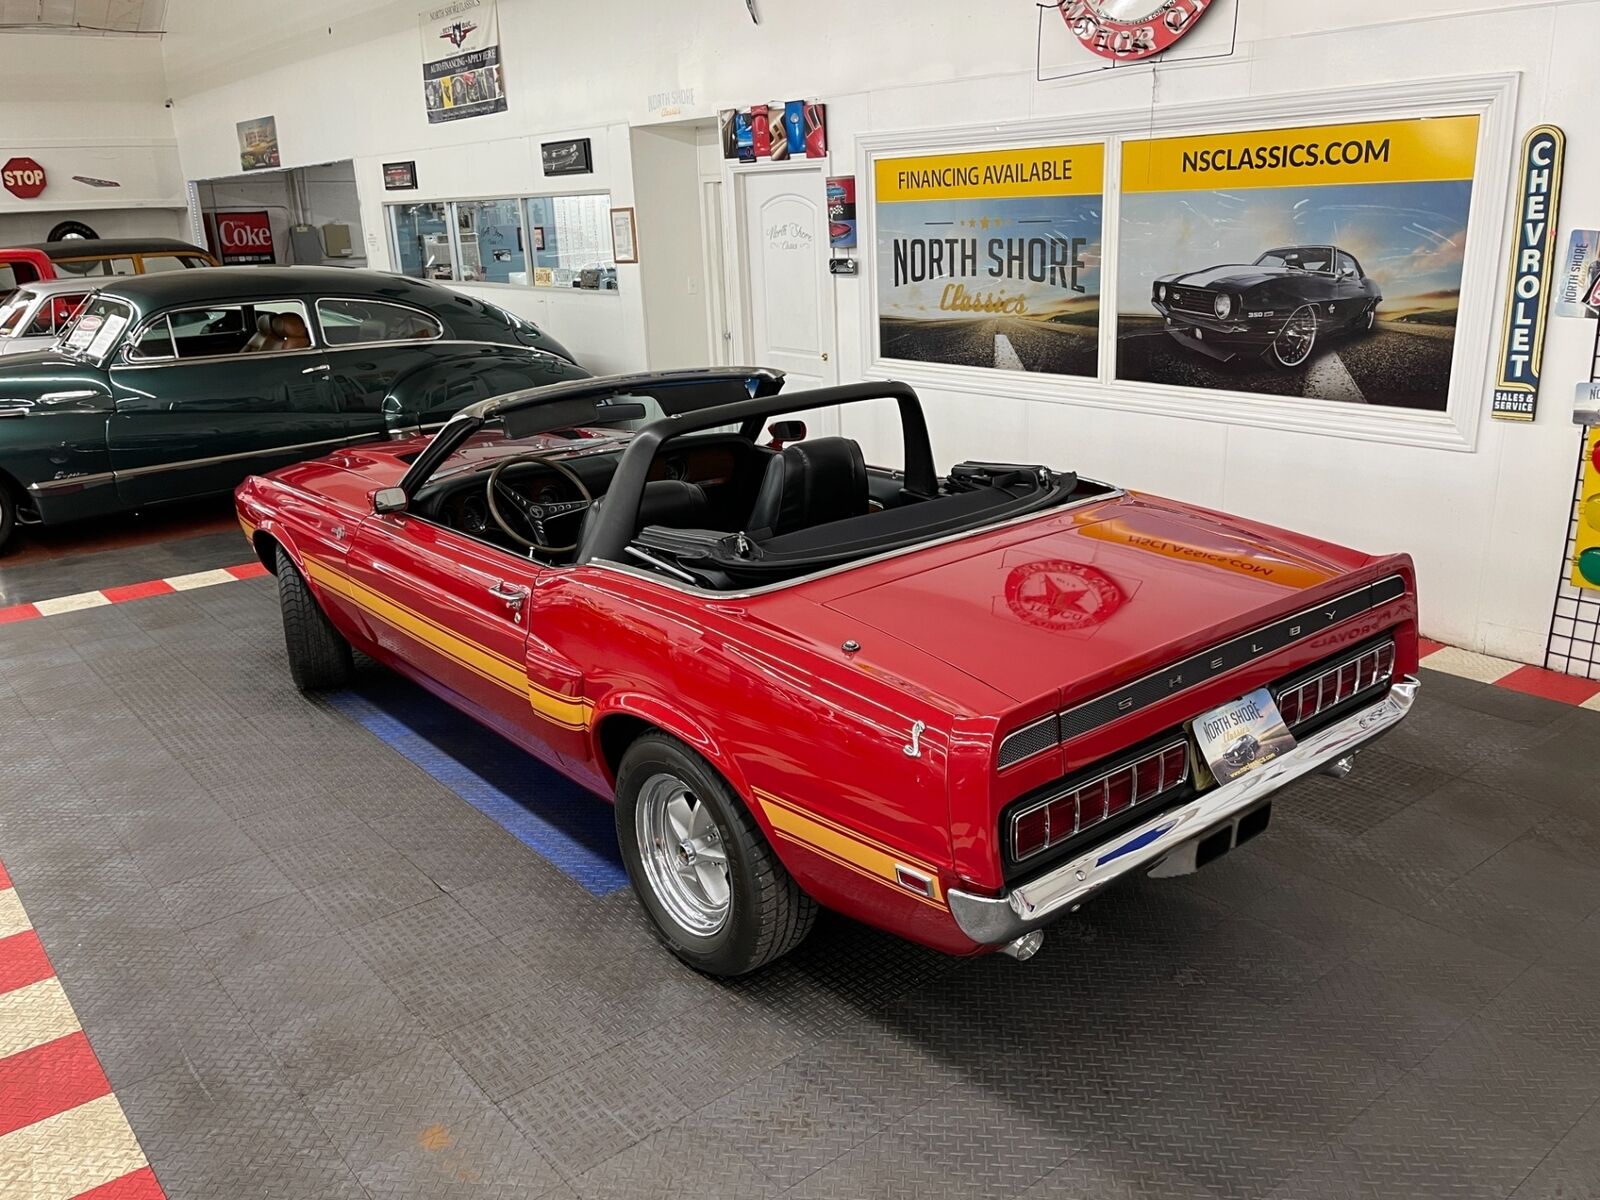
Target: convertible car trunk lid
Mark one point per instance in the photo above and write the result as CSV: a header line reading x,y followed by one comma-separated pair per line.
x,y
1087,598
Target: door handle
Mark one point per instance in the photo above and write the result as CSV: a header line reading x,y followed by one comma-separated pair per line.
x,y
510,593
314,370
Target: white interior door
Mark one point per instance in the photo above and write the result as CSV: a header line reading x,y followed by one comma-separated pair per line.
x,y
787,291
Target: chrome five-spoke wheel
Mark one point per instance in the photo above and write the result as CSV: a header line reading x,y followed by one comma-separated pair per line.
x,y
704,872
683,855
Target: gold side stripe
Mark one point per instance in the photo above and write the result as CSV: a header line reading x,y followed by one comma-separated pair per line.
x,y
861,871
847,848
899,856
566,711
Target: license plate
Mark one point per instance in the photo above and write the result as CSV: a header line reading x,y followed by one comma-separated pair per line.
x,y
1242,736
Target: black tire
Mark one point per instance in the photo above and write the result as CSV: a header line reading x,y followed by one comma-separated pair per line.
x,y
767,913
319,658
8,515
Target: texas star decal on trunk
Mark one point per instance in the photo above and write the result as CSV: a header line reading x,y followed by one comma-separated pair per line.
x,y
1058,594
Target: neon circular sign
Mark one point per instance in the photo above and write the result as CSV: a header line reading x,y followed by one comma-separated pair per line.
x,y
1128,30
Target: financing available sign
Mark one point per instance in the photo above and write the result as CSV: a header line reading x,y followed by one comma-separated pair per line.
x,y
461,71
992,258
1317,262
1516,393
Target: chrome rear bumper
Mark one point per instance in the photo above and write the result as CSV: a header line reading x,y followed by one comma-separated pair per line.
x,y
996,920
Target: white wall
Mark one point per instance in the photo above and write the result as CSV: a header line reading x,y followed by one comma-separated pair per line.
x,y
92,107
1486,527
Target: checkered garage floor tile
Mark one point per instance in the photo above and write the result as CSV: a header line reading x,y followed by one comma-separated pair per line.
x,y
314,964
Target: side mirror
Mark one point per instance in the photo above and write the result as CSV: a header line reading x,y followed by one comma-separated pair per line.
x,y
389,500
786,431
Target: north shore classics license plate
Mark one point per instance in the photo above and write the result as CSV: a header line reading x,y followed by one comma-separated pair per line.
x,y
1242,736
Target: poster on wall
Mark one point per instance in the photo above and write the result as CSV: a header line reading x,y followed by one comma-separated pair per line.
x,y
1319,262
1579,293
258,144
991,258
775,132
461,73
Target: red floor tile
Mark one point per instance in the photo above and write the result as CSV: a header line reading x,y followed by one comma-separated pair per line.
x,y
47,1080
251,570
1552,685
1427,647
22,961
136,1185
137,591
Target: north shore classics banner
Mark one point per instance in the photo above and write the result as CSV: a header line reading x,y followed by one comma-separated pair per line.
x,y
1321,262
992,258
461,74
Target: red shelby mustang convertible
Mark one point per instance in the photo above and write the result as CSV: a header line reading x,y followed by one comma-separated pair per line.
x,y
953,706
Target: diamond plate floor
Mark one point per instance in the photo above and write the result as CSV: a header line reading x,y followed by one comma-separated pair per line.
x,y
311,970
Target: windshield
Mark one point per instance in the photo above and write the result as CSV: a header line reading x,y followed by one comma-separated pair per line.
x,y
1299,258
99,324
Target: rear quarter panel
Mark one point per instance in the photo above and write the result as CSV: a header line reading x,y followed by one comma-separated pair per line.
x,y
815,743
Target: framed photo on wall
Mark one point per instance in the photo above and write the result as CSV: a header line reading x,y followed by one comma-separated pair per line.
x,y
624,237
566,158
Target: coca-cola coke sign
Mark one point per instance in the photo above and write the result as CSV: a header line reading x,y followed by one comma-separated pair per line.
x,y
244,237
1126,30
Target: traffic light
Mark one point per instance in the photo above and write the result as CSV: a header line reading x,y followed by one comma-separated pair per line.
x,y
1586,553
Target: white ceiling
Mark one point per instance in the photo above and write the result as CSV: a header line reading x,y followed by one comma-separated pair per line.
x,y
89,18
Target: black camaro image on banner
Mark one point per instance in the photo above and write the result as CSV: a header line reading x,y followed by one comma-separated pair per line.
x,y
1277,306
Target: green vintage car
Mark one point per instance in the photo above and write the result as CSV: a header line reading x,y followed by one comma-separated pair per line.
x,y
181,384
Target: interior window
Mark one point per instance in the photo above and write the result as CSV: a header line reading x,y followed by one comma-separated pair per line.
x,y
53,315
97,266
263,326
422,238
351,322
571,238
154,263
1347,265
490,233
8,278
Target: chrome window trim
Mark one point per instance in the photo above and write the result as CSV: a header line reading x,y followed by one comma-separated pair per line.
x,y
422,312
167,315
1181,743
1064,713
708,594
49,485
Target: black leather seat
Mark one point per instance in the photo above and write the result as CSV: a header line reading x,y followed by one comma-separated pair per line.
x,y
671,502
810,483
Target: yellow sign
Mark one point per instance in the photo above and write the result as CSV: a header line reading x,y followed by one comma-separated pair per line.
x,y
1414,151
994,174
1586,550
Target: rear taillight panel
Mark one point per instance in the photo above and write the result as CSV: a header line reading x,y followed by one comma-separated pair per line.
x,y
1306,699
1054,819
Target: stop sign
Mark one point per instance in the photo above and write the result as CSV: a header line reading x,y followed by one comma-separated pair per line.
x,y
23,178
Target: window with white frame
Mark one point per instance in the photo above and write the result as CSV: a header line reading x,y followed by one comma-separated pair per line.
x,y
528,241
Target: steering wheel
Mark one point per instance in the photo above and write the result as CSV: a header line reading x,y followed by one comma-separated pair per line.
x,y
533,514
